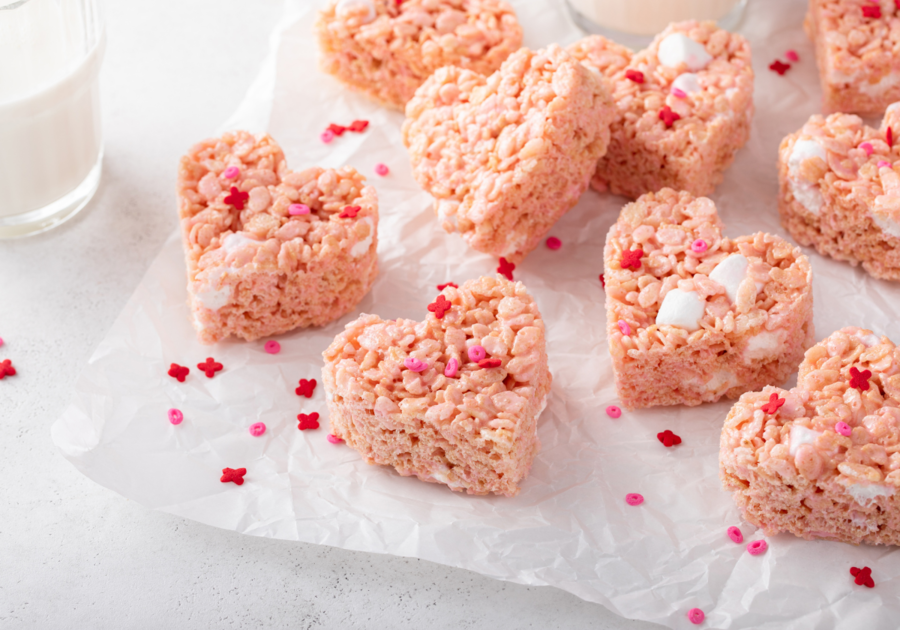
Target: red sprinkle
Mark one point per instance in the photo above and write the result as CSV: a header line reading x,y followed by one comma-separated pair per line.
x,y
631,259
7,369
234,475
440,306
506,268
889,136
358,125
308,421
178,371
634,75
871,11
349,212
210,367
237,198
860,380
668,116
792,56
554,243
863,576
336,129
441,287
668,438
774,403
779,66
306,387
603,280
489,363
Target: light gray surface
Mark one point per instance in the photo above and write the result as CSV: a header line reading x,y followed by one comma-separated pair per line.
x,y
75,555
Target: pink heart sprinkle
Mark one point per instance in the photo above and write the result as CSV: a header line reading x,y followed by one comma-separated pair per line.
x,y
699,246
452,367
334,439
231,172
477,353
296,209
272,347
175,416
757,547
554,243
613,412
634,499
257,429
327,136
867,147
883,164
735,534
624,327
696,616
382,169
414,364
792,55
843,428
678,93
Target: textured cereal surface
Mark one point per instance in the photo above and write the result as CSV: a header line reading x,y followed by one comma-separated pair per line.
x,y
646,156
842,202
757,339
505,156
259,271
791,471
474,431
858,56
386,49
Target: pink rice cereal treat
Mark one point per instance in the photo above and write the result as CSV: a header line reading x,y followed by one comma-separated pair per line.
x,y
505,156
840,192
693,315
269,249
858,52
684,108
386,49
416,396
823,459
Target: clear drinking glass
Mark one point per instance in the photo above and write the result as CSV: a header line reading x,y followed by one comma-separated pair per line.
x,y
635,22
51,147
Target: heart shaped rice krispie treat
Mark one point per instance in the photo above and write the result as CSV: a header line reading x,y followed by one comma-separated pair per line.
x,y
505,156
840,191
823,459
858,53
268,249
692,315
386,49
454,399
684,108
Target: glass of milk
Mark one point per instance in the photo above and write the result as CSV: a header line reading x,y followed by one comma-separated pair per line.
x,y
635,22
51,148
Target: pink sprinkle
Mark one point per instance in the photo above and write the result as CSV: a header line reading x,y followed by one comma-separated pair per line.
x,y
477,353
699,246
382,169
414,364
1,341
452,367
678,93
735,534
792,55
272,347
757,547
613,412
231,172
257,429
554,243
634,499
334,439
296,209
843,428
175,416
867,147
883,164
696,616
624,327
327,136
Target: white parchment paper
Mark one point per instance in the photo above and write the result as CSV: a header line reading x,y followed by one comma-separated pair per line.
x,y
570,526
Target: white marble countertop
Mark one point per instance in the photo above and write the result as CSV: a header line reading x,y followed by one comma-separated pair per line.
x,y
76,555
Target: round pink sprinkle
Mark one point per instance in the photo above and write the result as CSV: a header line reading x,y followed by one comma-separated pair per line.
x,y
735,534
554,243
477,353
296,209
452,367
327,136
334,439
257,428
883,163
757,547
678,93
613,412
1,341
792,55
382,169
231,172
696,616
843,428
699,246
414,364
175,416
634,499
272,347
624,327
865,146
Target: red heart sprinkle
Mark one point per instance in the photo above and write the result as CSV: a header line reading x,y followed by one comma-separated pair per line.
x,y
863,576
237,198
603,280
860,380
306,387
668,116
440,306
336,129
779,66
209,367
308,421
631,259
489,363
889,137
668,438
178,372
234,475
441,287
506,268
6,368
634,75
349,212
871,11
774,403
358,125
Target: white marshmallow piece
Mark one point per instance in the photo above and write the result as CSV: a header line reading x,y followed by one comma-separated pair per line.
x,y
687,82
681,308
678,47
346,8
730,273
800,436
807,193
